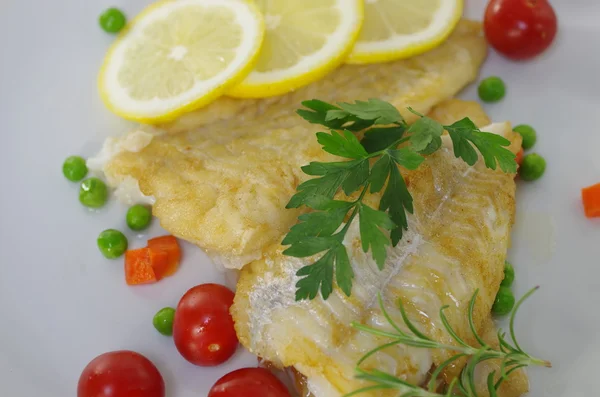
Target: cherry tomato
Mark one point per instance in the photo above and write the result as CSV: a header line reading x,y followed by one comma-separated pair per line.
x,y
249,382
203,328
121,374
520,29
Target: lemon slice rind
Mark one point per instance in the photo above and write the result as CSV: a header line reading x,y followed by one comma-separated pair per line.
x,y
329,57
117,98
404,46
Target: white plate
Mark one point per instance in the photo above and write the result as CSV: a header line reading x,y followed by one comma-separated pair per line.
x,y
61,304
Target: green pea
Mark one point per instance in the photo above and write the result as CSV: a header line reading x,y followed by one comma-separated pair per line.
x,y
509,274
74,168
138,217
112,243
93,193
163,321
492,89
532,167
504,303
112,20
528,133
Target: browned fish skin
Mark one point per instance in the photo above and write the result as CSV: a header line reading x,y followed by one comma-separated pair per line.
x,y
222,176
462,222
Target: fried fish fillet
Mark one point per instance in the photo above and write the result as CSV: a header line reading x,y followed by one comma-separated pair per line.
x,y
516,385
221,177
456,243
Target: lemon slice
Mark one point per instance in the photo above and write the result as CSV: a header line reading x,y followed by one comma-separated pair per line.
x,y
177,56
395,29
304,40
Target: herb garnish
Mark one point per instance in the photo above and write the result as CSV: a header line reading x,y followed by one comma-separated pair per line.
x,y
512,356
384,131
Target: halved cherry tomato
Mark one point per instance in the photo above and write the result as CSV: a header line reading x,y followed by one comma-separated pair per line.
x,y
520,29
249,382
121,374
203,327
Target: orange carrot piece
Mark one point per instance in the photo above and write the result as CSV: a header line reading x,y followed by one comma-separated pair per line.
x,y
591,200
519,157
138,268
159,260
170,245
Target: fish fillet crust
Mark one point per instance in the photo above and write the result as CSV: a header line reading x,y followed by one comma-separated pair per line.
x,y
456,244
221,177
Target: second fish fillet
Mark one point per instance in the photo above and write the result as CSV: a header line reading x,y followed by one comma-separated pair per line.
x,y
456,244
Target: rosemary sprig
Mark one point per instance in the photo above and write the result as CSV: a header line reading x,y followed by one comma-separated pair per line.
x,y
512,355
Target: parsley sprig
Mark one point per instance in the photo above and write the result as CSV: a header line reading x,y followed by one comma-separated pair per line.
x,y
511,355
372,165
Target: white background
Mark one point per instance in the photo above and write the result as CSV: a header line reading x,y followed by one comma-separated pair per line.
x,y
61,304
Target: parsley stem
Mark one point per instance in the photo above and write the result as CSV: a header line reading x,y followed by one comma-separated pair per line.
x,y
364,191
392,146
357,202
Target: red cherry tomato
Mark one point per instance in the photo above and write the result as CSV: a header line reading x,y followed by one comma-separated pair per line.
x,y
520,29
121,374
249,382
203,328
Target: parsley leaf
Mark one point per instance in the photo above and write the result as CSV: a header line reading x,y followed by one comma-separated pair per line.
x,y
407,157
379,173
327,186
310,246
379,111
324,203
318,113
425,132
316,224
317,276
465,134
318,168
356,177
331,116
319,106
336,114
343,145
343,270
396,200
373,165
371,222
333,176
377,139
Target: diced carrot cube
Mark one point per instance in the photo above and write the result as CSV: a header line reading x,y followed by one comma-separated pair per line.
x,y
519,157
159,260
138,267
591,200
170,245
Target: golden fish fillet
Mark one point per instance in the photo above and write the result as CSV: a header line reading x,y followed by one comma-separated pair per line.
x,y
456,243
221,177
516,385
